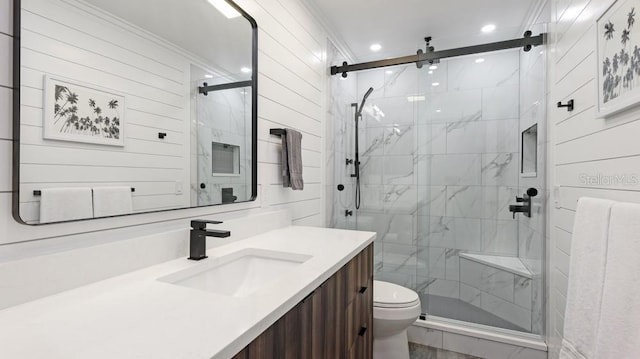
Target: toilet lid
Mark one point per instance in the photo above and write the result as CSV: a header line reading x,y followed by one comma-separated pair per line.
x,y
389,295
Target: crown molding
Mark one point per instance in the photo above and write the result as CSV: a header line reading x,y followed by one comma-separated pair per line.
x,y
332,35
533,15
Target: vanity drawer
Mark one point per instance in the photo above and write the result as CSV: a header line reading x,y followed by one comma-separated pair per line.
x,y
359,271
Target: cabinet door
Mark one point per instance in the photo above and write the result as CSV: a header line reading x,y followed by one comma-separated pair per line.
x,y
334,310
291,340
352,270
318,324
366,266
305,326
263,347
366,340
333,322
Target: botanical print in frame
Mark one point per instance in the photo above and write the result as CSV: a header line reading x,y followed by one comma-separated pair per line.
x,y
82,113
618,58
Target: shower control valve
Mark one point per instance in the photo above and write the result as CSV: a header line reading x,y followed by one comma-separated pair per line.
x,y
525,207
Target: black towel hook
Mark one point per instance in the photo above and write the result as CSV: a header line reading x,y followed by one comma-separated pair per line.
x,y
568,105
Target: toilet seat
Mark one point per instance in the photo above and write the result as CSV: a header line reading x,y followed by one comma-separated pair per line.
x,y
389,295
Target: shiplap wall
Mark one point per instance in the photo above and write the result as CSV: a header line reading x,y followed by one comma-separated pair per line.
x,y
69,40
580,142
291,79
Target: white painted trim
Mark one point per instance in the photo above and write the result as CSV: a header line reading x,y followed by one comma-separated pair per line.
x,y
535,11
505,336
328,26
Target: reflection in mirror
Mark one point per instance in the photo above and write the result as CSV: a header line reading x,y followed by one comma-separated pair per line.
x,y
223,113
529,152
131,107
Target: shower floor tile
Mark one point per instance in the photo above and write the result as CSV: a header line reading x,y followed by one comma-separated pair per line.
x,y
452,308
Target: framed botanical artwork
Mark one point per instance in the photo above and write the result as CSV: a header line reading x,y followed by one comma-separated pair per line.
x,y
82,113
618,58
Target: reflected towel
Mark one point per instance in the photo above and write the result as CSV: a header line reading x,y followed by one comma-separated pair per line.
x,y
294,157
586,276
619,329
112,201
65,204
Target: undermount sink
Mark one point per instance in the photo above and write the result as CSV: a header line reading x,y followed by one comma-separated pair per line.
x,y
238,274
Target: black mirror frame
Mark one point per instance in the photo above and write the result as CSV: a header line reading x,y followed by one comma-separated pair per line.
x,y
15,181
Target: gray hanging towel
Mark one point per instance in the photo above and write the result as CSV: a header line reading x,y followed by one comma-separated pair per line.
x,y
286,181
294,156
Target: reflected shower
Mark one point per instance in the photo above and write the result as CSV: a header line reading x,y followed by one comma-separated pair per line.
x,y
358,116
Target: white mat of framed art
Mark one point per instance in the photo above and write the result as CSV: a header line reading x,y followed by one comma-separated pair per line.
x,y
618,50
80,112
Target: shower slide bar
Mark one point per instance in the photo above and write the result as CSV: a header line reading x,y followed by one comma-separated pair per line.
x,y
527,43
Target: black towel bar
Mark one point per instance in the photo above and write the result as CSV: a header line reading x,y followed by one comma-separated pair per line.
x,y
277,131
39,192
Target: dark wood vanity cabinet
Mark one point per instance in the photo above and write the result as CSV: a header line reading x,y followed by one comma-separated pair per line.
x,y
333,322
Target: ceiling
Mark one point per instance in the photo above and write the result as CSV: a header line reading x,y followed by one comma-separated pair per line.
x,y
401,25
196,26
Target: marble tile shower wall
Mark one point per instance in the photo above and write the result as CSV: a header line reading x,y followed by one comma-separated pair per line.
x,y
439,155
222,117
504,294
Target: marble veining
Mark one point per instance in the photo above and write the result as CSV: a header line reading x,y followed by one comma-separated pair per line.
x,y
438,176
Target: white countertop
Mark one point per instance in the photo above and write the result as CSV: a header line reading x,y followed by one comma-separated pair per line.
x,y
137,316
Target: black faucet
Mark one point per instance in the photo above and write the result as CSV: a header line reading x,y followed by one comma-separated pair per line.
x,y
525,207
198,238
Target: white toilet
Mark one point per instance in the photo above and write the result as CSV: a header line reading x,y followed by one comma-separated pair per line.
x,y
395,308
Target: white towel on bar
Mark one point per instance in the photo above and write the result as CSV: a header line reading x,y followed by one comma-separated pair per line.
x,y
112,201
65,204
619,329
586,276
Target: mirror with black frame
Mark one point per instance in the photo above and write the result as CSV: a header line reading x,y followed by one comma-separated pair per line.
x,y
128,107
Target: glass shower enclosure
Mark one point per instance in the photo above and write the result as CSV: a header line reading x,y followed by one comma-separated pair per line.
x,y
441,153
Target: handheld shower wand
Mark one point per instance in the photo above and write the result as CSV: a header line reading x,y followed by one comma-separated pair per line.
x,y
356,163
364,100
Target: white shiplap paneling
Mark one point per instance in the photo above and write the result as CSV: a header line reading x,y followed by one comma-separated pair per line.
x,y
54,43
289,38
582,144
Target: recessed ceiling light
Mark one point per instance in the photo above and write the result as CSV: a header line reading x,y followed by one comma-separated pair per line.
x,y
435,84
209,76
488,28
479,61
375,47
246,70
416,98
438,111
224,8
430,72
388,72
433,67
